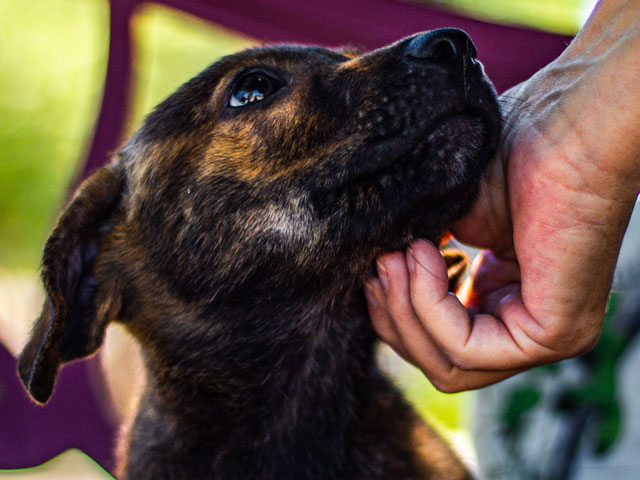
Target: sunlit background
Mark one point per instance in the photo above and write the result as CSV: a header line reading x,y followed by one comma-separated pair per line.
x,y
53,57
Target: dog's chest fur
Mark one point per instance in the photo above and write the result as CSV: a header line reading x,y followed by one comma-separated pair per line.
x,y
311,408
231,235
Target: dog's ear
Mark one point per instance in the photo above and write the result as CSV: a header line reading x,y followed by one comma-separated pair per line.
x,y
71,324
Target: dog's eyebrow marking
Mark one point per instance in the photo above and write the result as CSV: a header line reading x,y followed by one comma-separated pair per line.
x,y
232,151
356,65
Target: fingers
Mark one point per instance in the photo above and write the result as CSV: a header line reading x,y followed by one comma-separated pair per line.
x,y
380,318
392,270
491,280
397,323
480,344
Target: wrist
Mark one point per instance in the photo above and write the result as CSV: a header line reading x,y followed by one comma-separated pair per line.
x,y
587,103
601,69
590,93
610,23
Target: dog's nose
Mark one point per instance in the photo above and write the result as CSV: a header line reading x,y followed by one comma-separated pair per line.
x,y
446,46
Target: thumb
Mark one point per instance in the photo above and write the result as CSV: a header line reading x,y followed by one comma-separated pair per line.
x,y
488,223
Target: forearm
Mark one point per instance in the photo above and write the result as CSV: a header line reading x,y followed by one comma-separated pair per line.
x,y
588,100
611,24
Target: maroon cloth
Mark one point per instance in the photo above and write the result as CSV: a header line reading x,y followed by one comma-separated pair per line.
x,y
29,434
510,54
73,418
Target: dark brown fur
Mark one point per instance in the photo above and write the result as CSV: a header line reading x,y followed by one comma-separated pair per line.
x,y
232,243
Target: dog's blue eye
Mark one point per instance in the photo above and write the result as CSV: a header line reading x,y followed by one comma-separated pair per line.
x,y
252,88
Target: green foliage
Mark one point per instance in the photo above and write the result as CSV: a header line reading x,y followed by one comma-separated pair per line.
x,y
449,411
52,64
171,47
596,395
560,16
599,394
52,58
608,428
519,403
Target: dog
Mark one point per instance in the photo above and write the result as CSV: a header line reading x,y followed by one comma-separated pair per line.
x,y
231,236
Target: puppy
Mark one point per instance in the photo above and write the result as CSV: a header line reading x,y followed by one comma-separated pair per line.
x,y
231,236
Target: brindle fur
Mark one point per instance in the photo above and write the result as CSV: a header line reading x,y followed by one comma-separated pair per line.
x,y
232,243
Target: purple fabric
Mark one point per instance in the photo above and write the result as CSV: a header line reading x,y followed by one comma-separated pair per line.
x,y
115,99
30,435
509,54
73,418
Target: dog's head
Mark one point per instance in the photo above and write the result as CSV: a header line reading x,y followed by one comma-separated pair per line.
x,y
277,172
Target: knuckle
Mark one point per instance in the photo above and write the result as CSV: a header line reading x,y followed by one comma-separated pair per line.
x,y
560,341
558,337
588,344
553,338
446,381
400,308
384,334
460,360
446,385
395,304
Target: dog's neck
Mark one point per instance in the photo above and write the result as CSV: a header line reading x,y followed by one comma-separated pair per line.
x,y
297,384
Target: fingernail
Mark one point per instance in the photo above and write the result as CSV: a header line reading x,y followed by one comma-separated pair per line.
x,y
417,252
411,260
370,295
382,275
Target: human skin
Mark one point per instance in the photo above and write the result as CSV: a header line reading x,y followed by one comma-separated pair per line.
x,y
551,214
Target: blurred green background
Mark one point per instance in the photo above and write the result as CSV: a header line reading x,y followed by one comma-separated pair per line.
x,y
52,64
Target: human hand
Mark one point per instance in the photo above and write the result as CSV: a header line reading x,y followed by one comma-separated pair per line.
x,y
552,211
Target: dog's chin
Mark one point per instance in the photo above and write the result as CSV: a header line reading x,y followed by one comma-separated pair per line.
x,y
439,179
443,160
415,185
455,153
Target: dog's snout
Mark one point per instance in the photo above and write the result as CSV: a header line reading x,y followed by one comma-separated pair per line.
x,y
445,46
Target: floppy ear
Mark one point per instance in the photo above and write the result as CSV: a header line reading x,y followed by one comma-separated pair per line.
x,y
71,325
